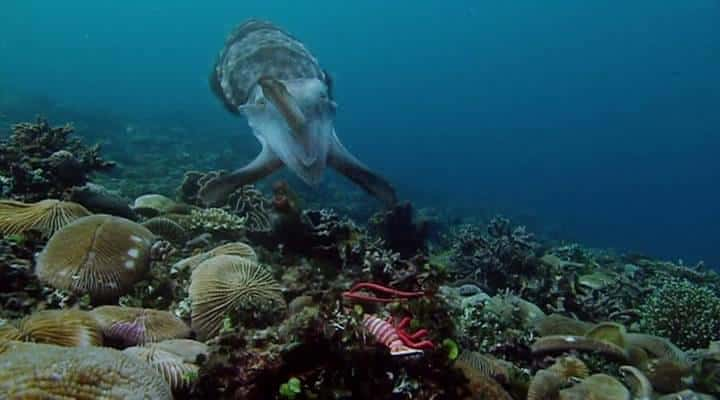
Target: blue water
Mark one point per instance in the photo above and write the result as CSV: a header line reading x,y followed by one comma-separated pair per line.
x,y
597,120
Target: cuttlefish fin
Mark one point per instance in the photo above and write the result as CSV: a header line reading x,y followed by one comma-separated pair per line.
x,y
216,190
345,163
280,96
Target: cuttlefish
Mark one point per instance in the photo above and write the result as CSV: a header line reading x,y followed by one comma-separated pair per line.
x,y
268,76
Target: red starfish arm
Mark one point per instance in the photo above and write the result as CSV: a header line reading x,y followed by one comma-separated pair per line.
x,y
385,289
419,334
364,297
409,342
425,344
404,323
405,338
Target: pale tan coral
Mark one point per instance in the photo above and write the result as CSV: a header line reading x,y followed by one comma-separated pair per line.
x,y
70,328
471,362
100,255
167,229
556,324
226,284
46,216
637,381
597,387
667,375
187,349
151,205
658,347
131,326
41,371
610,332
565,343
597,280
172,368
570,367
234,249
9,331
545,385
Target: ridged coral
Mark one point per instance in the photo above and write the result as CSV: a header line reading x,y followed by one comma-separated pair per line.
x,y
229,284
471,362
40,371
71,328
46,216
9,331
172,368
130,326
167,229
234,249
100,255
187,349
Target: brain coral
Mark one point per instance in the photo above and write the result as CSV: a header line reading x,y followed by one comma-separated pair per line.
x,y
40,371
100,254
229,284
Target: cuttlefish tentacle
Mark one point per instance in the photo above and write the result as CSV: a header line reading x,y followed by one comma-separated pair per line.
x,y
216,190
345,163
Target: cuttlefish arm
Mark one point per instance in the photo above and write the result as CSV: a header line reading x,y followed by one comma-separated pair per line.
x,y
280,96
216,190
345,163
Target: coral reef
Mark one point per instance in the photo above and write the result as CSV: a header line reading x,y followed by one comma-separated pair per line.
x,y
279,294
40,161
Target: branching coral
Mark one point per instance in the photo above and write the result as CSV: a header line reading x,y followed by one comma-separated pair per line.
x,y
685,313
39,160
215,220
493,256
